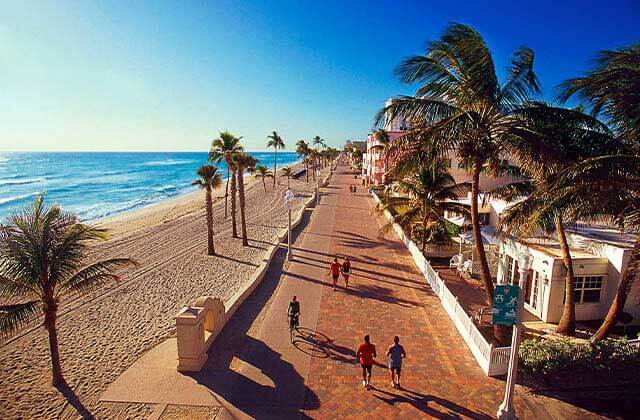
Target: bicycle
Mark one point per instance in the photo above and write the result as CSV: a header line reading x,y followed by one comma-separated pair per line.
x,y
294,323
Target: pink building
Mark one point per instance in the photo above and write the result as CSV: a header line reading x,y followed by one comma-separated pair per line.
x,y
373,162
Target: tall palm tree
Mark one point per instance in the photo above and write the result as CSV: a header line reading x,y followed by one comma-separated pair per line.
x,y
558,139
288,173
303,150
462,107
276,142
209,179
42,258
427,192
263,172
243,162
223,148
609,184
318,142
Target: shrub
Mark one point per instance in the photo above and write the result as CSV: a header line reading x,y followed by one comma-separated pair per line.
x,y
545,356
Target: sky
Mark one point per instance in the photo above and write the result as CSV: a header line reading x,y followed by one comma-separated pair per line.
x,y
170,75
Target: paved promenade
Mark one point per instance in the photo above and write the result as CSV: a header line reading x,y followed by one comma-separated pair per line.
x,y
318,376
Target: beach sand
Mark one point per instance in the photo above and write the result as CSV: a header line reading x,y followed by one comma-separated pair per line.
x,y
103,334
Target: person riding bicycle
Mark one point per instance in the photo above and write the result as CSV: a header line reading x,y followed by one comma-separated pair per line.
x,y
293,313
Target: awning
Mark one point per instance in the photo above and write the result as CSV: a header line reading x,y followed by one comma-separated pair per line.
x,y
487,233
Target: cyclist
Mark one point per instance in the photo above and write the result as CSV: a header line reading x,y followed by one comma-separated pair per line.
x,y
293,313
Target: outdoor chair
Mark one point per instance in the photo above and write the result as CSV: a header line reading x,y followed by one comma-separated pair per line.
x,y
455,261
465,268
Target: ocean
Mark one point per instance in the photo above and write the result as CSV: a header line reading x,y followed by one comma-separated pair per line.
x,y
96,185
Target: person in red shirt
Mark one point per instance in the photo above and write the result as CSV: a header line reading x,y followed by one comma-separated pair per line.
x,y
335,269
366,353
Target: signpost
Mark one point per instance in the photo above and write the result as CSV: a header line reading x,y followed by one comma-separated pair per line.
x,y
505,304
289,196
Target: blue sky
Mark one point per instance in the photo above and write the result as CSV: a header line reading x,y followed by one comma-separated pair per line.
x,y
159,75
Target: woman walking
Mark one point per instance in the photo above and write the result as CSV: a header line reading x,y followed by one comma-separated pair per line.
x,y
346,271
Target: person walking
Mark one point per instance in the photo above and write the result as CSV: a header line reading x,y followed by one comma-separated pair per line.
x,y
366,353
346,271
334,270
395,353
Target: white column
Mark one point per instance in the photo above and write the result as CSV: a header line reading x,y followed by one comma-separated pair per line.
x,y
289,254
506,410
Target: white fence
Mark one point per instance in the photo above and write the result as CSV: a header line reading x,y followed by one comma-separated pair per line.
x,y
492,360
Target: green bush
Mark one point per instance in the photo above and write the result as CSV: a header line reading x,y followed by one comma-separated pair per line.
x,y
542,356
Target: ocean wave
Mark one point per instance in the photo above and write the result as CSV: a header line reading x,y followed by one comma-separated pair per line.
x,y
168,162
17,198
16,181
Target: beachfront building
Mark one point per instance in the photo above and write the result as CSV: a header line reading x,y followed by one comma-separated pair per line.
x,y
376,165
600,256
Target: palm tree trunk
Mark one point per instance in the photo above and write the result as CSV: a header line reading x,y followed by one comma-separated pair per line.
x,y
234,228
226,192
275,166
567,324
617,306
306,167
243,220
502,333
485,273
288,180
264,185
50,325
209,205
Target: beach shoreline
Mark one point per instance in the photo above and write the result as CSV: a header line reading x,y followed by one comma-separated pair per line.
x,y
102,334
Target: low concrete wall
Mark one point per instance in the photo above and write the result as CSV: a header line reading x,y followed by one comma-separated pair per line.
x,y
198,325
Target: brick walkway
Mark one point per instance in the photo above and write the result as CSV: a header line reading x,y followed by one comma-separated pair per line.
x,y
318,377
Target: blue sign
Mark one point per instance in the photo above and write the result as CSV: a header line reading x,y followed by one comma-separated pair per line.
x,y
505,304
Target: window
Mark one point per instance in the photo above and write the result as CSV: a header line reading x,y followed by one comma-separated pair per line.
x,y
587,289
447,163
462,165
508,269
532,286
505,162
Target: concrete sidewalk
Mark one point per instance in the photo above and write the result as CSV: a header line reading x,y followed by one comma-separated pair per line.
x,y
254,370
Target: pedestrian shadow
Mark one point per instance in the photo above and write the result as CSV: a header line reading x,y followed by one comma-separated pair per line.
x,y
380,293
440,408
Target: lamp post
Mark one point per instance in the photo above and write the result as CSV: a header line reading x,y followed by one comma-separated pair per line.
x,y
317,187
506,410
288,199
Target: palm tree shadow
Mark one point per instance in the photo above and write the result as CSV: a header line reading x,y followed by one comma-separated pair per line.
x,y
74,401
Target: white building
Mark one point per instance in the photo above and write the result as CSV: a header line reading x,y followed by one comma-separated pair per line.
x,y
600,256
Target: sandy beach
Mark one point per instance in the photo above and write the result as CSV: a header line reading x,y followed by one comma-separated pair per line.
x,y
103,334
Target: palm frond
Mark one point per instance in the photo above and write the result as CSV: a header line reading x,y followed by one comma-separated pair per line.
x,y
95,275
12,317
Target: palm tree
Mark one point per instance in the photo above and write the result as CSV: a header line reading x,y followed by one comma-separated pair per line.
x,y
303,150
210,179
559,138
462,107
427,191
288,173
276,142
263,172
243,162
318,142
223,148
609,184
42,258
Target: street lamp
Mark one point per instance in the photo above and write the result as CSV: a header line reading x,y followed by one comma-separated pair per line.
x,y
288,199
318,187
506,410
